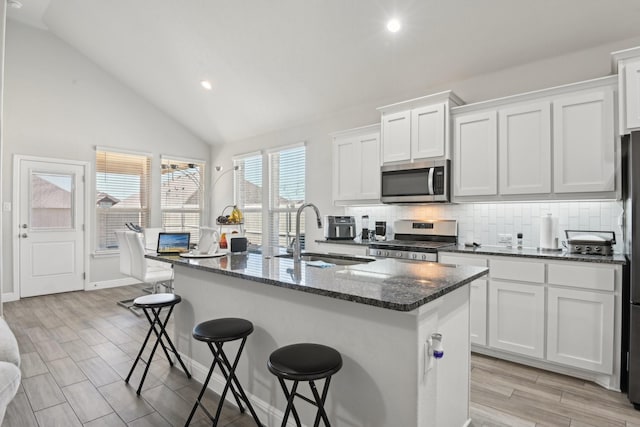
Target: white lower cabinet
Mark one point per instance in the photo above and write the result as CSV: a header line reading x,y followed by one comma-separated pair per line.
x,y
477,299
553,314
478,312
516,317
580,328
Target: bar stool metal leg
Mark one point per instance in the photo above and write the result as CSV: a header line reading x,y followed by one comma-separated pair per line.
x,y
156,319
162,325
219,352
320,402
290,406
228,371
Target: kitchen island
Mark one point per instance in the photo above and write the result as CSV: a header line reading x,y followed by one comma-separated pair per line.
x,y
378,315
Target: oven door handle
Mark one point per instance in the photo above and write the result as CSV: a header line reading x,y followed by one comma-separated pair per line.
x,y
430,182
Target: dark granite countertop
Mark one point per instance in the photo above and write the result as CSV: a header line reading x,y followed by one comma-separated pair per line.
x,y
535,253
388,283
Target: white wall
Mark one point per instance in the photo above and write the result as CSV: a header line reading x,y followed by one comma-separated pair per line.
x,y
574,67
59,104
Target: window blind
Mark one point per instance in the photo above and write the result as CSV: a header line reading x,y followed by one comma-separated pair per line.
x,y
285,189
287,171
248,185
182,196
122,194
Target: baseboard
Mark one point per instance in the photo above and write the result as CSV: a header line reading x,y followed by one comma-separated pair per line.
x,y
11,296
268,414
125,281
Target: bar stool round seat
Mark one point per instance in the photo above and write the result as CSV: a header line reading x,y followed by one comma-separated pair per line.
x,y
305,362
152,305
215,333
157,300
222,330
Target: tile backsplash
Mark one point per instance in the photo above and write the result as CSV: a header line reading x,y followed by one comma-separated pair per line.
x,y
482,222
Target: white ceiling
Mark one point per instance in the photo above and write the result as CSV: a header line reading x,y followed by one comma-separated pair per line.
x,y
277,63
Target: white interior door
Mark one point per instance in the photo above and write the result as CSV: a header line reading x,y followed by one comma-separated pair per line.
x,y
50,227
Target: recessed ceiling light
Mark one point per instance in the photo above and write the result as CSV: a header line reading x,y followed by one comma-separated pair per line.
x,y
206,84
393,25
14,4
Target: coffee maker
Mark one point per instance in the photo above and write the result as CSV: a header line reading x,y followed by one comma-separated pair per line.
x,y
381,231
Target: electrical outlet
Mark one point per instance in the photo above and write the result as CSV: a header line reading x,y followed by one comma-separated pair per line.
x,y
505,238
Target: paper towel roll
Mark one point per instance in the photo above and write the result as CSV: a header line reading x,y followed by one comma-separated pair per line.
x,y
548,228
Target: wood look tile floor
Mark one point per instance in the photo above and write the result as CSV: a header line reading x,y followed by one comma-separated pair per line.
x,y
78,347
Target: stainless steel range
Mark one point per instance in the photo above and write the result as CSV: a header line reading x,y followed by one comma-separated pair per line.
x,y
417,239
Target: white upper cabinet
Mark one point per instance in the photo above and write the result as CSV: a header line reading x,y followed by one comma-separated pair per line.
x,y
417,129
428,131
475,153
632,84
396,131
584,142
356,165
557,143
626,63
525,149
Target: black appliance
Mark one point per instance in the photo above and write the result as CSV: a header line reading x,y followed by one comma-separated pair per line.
x,y
339,227
417,240
417,182
631,275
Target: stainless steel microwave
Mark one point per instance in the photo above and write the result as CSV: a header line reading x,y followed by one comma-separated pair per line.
x,y
417,182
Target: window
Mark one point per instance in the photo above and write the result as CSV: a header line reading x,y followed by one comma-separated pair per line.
x,y
286,189
283,186
248,194
182,195
122,194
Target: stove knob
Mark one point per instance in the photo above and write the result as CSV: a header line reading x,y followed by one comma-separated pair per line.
x,y
399,254
414,256
424,257
386,253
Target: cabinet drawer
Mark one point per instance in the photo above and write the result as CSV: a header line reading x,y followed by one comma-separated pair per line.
x,y
582,276
516,270
462,260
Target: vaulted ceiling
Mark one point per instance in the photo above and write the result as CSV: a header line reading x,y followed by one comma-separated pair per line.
x,y
277,63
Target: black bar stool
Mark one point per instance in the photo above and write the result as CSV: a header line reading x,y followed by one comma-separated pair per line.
x,y
152,305
217,332
305,362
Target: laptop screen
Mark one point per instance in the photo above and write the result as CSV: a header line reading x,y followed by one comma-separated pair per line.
x,y
173,243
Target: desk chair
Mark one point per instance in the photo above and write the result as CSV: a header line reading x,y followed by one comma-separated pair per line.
x,y
125,265
142,269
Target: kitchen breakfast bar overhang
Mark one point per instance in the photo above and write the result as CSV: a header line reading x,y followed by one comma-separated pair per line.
x,y
378,315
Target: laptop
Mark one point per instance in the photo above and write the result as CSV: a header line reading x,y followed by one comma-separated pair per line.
x,y
173,243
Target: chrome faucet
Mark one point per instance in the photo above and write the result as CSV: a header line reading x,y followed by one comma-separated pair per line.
x,y
296,246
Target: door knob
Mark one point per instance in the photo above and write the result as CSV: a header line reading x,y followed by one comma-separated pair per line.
x,y
24,235
24,225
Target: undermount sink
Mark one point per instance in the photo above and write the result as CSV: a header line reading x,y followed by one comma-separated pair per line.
x,y
330,258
